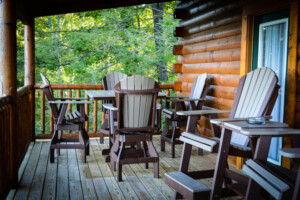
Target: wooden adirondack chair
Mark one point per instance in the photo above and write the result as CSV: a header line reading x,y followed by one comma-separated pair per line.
x,y
195,102
109,82
256,95
279,182
136,104
62,122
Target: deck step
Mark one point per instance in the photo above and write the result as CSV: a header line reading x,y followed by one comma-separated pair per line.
x,y
187,186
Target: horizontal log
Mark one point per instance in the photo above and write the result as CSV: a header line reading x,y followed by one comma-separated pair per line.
x,y
214,56
212,79
177,86
181,31
213,45
209,68
184,13
177,68
215,91
211,14
218,103
215,33
89,86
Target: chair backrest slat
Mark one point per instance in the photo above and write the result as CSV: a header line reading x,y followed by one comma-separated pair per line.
x,y
256,93
110,80
198,87
50,96
136,110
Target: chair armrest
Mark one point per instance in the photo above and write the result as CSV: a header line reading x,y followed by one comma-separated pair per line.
x,y
184,100
110,107
201,112
70,102
220,121
71,98
178,97
290,152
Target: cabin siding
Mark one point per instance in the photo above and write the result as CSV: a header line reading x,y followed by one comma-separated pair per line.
x,y
209,42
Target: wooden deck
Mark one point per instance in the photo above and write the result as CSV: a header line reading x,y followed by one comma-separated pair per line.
x,y
69,178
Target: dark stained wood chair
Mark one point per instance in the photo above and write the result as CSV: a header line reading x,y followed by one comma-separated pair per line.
x,y
279,182
109,82
256,95
67,122
194,102
136,105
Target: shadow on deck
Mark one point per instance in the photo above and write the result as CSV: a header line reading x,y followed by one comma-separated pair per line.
x,y
69,178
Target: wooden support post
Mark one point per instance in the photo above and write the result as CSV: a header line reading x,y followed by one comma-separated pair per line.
x,y
8,76
29,56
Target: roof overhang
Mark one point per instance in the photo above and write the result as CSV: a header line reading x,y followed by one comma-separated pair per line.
x,y
28,9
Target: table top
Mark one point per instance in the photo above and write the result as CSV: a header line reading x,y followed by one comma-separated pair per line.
x,y
270,128
110,94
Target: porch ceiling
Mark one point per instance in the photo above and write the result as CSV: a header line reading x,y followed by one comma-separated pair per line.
x,y
26,9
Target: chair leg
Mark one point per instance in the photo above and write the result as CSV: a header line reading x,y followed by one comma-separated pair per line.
x,y
178,196
54,140
173,150
119,172
120,156
59,137
200,152
156,169
162,145
83,156
112,164
145,153
51,155
88,149
173,140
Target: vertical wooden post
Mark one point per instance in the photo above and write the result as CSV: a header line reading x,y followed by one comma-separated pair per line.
x,y
291,76
246,44
29,56
8,73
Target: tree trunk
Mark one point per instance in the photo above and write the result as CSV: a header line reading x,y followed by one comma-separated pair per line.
x,y
158,15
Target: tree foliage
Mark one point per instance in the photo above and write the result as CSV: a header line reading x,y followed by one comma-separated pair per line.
x,y
81,48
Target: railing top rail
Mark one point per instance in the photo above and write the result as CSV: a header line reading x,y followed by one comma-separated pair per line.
x,y
91,86
4,101
22,91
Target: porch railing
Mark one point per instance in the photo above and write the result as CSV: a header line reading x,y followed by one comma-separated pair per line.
x,y
43,114
9,161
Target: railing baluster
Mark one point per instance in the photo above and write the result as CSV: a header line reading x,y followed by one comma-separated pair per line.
x,y
87,111
43,111
70,105
95,116
51,122
61,93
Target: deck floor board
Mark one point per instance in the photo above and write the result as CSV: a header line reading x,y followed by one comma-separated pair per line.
x,y
69,178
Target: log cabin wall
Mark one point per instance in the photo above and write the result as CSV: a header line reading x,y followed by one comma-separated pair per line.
x,y
209,42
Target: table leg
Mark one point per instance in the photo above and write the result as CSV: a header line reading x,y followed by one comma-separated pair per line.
x,y
261,154
221,164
